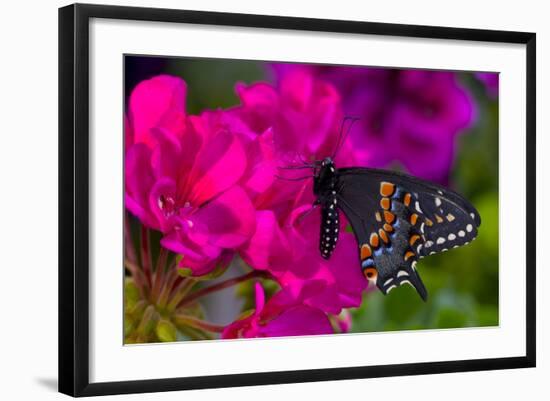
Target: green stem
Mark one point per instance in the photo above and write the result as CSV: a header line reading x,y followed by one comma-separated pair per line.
x,y
182,319
180,292
146,261
169,280
139,278
129,244
159,273
220,286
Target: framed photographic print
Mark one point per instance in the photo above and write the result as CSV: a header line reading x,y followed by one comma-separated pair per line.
x,y
278,199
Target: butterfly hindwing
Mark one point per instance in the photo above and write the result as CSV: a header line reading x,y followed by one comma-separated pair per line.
x,y
398,219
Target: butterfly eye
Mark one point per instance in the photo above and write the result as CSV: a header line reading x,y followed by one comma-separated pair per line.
x,y
370,273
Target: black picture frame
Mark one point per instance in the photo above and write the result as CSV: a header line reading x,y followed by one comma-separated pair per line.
x,y
74,194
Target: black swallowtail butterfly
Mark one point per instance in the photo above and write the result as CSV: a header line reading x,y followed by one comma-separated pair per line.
x,y
396,218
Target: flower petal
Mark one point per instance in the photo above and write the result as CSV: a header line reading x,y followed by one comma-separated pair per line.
x,y
138,181
156,102
220,164
298,321
228,220
268,247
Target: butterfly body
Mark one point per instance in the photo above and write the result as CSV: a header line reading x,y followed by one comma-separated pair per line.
x,y
397,219
325,189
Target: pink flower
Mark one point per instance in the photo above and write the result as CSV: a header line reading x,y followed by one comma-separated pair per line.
x,y
277,318
158,102
304,117
329,285
183,179
490,81
304,114
407,116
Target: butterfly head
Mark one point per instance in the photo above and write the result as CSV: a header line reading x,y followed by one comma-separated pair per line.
x,y
325,177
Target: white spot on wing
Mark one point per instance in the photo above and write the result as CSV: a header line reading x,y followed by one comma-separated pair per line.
x,y
437,202
451,237
461,233
417,205
389,289
469,228
402,273
388,281
440,241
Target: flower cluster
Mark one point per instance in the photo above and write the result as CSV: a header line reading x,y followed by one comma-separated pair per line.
x,y
211,183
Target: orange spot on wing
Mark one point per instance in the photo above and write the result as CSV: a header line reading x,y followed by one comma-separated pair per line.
x,y
387,189
438,218
413,239
370,273
408,255
414,218
429,223
407,199
389,217
384,236
366,252
385,203
388,228
374,240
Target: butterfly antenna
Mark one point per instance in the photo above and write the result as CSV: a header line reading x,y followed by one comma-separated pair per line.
x,y
309,211
295,167
295,178
342,138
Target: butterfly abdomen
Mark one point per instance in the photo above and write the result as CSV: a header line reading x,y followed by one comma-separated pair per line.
x,y
330,223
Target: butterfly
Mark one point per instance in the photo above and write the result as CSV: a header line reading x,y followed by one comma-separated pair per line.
x,y
397,219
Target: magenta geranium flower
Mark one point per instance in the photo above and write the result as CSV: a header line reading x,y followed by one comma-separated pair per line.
x,y
407,116
329,285
183,179
158,102
280,316
303,115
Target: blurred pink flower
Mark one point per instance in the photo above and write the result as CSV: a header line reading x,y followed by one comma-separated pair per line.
x,y
304,114
407,116
491,82
278,317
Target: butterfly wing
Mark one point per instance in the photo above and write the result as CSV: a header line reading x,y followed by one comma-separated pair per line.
x,y
398,219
